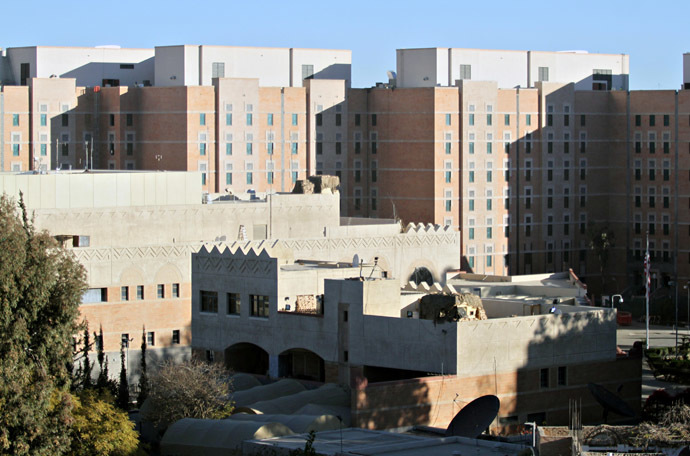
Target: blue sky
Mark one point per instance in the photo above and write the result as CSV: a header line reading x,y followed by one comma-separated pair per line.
x,y
654,34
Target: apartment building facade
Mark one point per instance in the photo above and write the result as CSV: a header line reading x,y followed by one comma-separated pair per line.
x,y
521,171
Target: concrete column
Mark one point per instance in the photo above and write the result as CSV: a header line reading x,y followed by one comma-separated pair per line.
x,y
273,366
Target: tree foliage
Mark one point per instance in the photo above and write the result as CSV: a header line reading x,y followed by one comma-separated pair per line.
x,y
601,241
100,428
143,377
192,389
40,290
123,386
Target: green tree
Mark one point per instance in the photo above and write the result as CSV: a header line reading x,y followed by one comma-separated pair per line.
x,y
601,241
123,387
143,377
84,375
99,428
41,286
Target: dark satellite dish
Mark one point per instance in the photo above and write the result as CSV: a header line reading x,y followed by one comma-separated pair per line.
x,y
474,417
610,401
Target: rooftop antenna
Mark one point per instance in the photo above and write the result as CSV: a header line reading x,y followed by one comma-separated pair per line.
x,y
376,263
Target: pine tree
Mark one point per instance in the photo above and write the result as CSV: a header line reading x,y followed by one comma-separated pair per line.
x,y
41,286
86,362
143,378
103,380
123,387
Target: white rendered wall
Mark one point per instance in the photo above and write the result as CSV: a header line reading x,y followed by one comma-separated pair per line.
x,y
170,65
17,56
578,68
269,65
507,68
418,67
328,64
89,66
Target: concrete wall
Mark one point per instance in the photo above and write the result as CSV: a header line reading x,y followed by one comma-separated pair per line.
x,y
89,66
434,401
441,66
174,66
507,68
535,341
686,68
328,64
101,190
577,67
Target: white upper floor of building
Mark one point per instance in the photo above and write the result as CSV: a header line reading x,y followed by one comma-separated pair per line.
x,y
432,67
164,66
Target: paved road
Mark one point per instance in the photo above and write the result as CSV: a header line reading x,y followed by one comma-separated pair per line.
x,y
659,336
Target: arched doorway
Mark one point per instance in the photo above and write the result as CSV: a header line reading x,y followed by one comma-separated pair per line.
x,y
246,357
302,364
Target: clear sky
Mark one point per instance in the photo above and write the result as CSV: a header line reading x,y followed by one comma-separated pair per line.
x,y
654,33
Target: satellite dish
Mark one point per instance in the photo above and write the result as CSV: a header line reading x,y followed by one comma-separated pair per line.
x,y
610,401
474,417
391,74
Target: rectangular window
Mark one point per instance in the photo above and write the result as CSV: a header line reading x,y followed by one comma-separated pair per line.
x,y
202,119
65,120
652,120
294,119
528,119
15,150
319,120
562,375
249,148
44,120
471,151
175,290
293,148
228,178
140,292
269,177
638,120
667,120
544,377
319,148
112,120
506,119
124,293
175,336
259,305
465,71
202,149
250,178
338,120
269,120
124,340
373,120
582,120
15,120
160,291
489,119
250,119
447,119
358,120
228,119
44,150
234,304
543,74
209,301
471,120
151,339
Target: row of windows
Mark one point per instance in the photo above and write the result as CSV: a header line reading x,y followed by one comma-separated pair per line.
x,y
249,119
128,293
258,304
249,148
249,177
150,339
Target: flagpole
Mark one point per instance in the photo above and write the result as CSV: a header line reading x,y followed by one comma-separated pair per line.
x,y
647,283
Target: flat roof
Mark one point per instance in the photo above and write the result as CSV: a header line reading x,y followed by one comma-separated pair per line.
x,y
352,441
